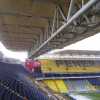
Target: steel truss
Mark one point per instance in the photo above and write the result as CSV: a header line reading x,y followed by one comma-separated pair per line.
x,y
63,29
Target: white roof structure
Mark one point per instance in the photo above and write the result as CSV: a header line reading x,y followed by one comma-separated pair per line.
x,y
73,55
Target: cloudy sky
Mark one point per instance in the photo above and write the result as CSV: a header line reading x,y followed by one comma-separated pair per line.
x,y
11,54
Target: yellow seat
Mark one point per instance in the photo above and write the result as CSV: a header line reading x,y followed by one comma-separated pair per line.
x,y
52,85
56,85
61,85
51,66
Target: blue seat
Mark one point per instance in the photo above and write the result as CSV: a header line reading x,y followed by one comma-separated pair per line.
x,y
14,77
94,81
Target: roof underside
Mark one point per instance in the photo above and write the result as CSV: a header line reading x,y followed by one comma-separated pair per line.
x,y
22,21
19,23
23,24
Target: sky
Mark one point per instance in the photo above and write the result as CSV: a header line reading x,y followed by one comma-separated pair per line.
x,y
11,54
91,43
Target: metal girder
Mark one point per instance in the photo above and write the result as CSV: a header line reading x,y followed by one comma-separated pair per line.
x,y
72,18
16,40
20,36
14,33
70,9
23,48
6,31
26,26
23,15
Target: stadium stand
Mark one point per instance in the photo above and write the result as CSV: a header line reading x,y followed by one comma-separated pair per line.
x,y
69,76
69,85
56,85
95,81
61,66
15,86
79,85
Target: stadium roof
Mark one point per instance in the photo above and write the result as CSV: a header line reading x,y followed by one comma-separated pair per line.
x,y
78,52
27,24
72,55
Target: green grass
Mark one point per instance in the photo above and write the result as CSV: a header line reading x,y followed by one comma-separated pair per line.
x,y
91,96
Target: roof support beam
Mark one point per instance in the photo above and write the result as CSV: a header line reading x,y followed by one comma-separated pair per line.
x,y
65,25
70,9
